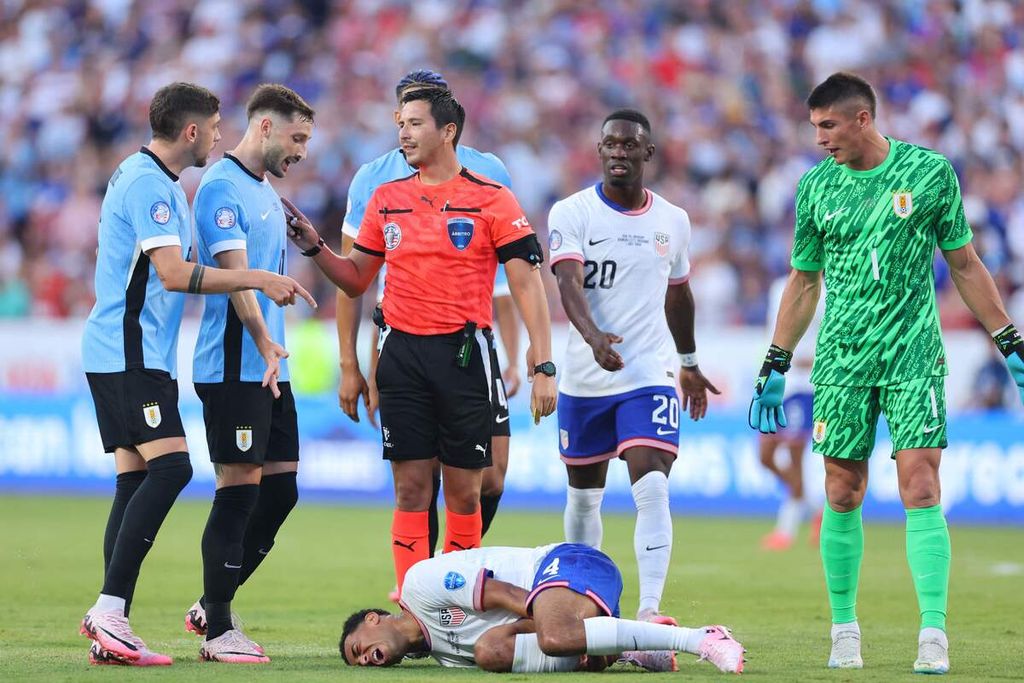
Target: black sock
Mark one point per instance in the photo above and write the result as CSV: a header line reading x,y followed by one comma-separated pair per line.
x,y
127,484
278,495
222,552
145,512
488,508
432,524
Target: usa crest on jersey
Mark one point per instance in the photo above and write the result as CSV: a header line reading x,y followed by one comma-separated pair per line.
x,y
151,413
460,232
450,616
903,204
661,243
243,438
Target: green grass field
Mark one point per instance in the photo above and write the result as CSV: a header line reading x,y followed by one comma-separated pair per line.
x,y
331,560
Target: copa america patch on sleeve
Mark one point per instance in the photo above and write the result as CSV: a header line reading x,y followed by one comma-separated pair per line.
x,y
224,217
160,213
454,581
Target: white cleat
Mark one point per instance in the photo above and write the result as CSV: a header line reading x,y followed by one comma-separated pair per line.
x,y
845,647
232,647
932,652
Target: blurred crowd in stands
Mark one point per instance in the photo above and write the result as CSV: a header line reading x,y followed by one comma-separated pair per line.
x,y
724,84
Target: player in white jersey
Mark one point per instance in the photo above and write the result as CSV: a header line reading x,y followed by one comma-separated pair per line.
x,y
619,252
800,394
527,610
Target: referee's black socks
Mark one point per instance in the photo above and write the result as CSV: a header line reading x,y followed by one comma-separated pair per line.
x,y
488,508
222,552
143,514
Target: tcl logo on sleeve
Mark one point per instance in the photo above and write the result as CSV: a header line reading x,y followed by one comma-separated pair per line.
x,y
521,223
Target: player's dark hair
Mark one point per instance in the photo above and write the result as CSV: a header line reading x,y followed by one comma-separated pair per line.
x,y
629,115
279,99
842,87
174,105
425,78
443,107
352,623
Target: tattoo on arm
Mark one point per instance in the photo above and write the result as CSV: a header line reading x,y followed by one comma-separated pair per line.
x,y
195,283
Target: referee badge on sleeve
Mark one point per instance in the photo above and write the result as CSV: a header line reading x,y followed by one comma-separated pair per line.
x,y
243,438
151,413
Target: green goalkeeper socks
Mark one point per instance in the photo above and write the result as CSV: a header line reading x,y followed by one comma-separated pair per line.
x,y
928,554
842,549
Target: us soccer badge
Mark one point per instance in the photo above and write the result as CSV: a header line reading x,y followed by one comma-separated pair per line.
x,y
243,438
151,413
661,243
460,232
903,204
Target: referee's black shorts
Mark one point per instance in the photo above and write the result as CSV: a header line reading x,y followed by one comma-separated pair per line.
x,y
135,407
246,424
431,407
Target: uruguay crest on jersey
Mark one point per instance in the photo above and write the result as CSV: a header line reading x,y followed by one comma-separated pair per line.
x,y
243,438
903,204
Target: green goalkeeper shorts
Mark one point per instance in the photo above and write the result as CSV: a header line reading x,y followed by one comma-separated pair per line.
x,y
845,418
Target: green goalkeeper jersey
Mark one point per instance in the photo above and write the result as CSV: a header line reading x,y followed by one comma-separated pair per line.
x,y
874,234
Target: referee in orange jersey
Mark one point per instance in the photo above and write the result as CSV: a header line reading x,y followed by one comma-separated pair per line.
x,y
442,232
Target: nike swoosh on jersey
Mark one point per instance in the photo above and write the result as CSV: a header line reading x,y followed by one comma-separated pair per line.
x,y
663,432
596,242
263,216
832,214
499,420
929,430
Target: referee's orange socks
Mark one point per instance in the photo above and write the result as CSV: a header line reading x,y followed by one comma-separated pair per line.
x,y
409,534
462,532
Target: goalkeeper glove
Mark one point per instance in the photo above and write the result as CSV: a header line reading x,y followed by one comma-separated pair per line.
x,y
766,406
1012,347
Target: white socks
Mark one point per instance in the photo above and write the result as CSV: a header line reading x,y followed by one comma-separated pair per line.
x,y
108,603
652,540
582,517
791,513
529,658
611,636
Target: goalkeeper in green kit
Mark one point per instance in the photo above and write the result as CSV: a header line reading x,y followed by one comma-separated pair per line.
x,y
870,217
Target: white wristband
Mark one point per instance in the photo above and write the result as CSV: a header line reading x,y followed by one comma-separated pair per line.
x,y
688,360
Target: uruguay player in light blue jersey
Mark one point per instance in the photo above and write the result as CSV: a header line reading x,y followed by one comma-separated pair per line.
x,y
251,428
383,169
130,343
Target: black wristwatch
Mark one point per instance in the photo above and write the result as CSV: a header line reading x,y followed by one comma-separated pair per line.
x,y
545,368
313,251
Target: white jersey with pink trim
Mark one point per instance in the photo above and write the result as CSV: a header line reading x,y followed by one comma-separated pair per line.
x,y
629,259
445,594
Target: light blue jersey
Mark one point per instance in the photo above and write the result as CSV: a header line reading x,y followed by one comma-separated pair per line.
x,y
392,166
237,210
135,321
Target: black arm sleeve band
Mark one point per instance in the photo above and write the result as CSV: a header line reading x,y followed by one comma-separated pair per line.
x,y
371,252
527,248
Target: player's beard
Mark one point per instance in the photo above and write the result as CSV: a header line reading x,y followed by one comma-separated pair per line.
x,y
273,161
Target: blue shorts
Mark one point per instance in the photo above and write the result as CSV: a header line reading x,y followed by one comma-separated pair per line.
x,y
597,428
799,418
583,570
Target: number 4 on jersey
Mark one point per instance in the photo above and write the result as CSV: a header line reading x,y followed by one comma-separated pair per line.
x,y
551,569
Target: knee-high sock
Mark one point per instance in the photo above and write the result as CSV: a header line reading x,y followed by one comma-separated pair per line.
x,y
928,554
166,477
222,552
488,508
842,549
127,484
278,495
434,524
611,636
409,535
582,517
652,539
461,532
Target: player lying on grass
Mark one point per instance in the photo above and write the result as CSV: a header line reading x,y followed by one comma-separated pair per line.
x,y
525,610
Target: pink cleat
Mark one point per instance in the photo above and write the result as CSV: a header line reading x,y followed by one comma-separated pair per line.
x,y
195,620
100,657
719,648
112,632
776,541
232,647
653,660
